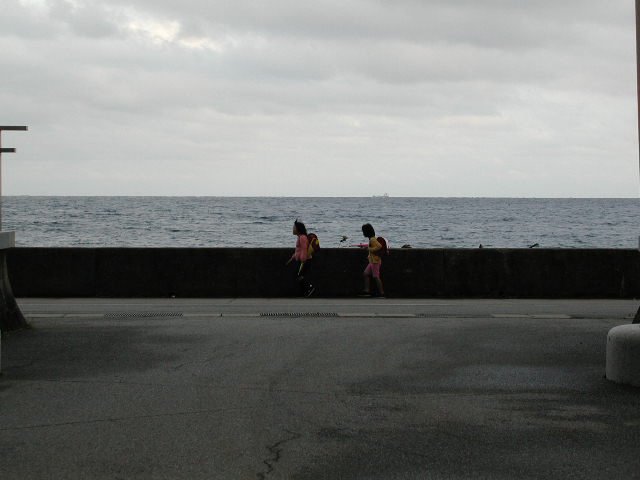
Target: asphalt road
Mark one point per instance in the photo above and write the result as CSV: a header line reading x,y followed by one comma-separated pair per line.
x,y
315,389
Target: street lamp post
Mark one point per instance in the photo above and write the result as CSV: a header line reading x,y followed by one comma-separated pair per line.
x,y
6,150
637,317
11,317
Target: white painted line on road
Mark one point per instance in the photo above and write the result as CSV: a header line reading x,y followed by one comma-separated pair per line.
x,y
185,303
110,316
64,315
218,314
296,315
541,316
375,315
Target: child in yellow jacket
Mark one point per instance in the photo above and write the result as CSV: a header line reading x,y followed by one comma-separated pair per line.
x,y
375,261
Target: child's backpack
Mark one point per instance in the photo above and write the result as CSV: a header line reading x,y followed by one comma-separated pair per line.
x,y
314,243
385,246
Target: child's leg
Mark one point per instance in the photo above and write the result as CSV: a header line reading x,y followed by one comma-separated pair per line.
x,y
306,283
379,285
367,283
303,283
299,277
367,279
375,272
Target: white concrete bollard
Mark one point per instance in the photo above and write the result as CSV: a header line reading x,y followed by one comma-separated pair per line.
x,y
623,355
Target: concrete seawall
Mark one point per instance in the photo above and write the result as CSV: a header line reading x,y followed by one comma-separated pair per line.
x,y
231,272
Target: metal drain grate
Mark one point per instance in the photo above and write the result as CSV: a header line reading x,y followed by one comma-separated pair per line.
x,y
298,314
142,314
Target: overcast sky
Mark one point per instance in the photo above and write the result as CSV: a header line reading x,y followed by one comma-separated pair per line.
x,y
325,97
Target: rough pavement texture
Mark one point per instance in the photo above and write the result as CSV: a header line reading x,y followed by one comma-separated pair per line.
x,y
452,394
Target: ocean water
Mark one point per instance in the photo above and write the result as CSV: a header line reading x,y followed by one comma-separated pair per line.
x,y
267,222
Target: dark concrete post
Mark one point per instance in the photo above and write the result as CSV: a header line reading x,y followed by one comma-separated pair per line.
x,y
637,318
11,317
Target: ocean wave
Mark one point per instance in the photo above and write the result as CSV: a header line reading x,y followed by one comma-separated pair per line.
x,y
256,222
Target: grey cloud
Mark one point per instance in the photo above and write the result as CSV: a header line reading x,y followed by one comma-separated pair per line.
x,y
464,98
505,25
87,19
19,21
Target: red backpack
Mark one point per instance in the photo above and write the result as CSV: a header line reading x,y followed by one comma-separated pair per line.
x,y
385,246
314,243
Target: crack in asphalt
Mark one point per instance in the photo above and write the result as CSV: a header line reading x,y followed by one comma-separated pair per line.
x,y
276,454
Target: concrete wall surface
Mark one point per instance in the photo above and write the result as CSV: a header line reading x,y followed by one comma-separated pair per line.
x,y
260,272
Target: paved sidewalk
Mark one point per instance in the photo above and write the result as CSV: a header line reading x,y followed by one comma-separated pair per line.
x,y
315,389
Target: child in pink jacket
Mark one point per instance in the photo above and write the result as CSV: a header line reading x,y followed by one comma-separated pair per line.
x,y
302,258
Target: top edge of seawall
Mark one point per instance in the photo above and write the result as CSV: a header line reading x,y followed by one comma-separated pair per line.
x,y
324,249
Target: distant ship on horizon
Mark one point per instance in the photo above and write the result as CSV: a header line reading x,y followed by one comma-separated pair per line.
x,y
385,195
